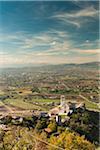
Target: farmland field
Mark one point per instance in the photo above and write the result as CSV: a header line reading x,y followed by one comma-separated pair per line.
x,y
90,105
21,104
38,103
45,100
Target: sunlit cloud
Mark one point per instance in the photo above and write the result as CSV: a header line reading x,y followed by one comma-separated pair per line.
x,y
88,51
51,34
86,12
58,49
76,17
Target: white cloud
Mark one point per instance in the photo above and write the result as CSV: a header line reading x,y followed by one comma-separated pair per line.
x,y
87,51
46,59
53,39
89,44
86,12
76,17
50,57
60,49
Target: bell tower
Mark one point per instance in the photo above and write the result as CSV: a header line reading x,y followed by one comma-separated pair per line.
x,y
62,100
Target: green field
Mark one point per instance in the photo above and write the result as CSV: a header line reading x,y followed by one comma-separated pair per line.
x,y
1,104
22,104
44,100
90,105
87,103
29,104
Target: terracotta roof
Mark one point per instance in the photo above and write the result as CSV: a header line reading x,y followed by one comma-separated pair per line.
x,y
54,111
48,130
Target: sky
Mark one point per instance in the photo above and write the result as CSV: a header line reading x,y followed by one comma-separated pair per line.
x,y
48,32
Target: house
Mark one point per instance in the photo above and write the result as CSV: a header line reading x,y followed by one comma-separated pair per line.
x,y
58,119
54,112
16,119
65,109
48,130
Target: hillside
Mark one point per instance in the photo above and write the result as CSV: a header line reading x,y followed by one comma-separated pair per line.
x,y
91,65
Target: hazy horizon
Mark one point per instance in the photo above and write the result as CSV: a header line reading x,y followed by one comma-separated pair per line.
x,y
43,65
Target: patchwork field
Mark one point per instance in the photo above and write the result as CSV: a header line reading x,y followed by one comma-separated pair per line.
x,y
44,100
22,104
41,104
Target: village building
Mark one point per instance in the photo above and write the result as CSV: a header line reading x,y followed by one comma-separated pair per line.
x,y
65,108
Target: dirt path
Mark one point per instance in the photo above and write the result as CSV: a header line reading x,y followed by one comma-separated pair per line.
x,y
96,110
7,107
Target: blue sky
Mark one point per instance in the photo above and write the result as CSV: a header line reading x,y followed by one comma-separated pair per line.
x,y
48,32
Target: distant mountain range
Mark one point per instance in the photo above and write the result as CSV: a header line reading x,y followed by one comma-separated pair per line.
x,y
59,67
88,65
91,65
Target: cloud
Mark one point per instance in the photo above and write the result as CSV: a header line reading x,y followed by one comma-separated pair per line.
x,y
50,57
88,51
29,47
49,47
44,58
51,39
87,12
76,17
75,23
90,44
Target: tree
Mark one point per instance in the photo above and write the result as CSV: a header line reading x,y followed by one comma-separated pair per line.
x,y
53,126
35,89
41,124
70,141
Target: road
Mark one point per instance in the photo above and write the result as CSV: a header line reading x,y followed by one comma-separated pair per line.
x,y
7,107
87,99
96,110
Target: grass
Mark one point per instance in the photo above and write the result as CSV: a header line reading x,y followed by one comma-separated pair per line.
x,y
1,103
28,104
98,148
21,104
91,105
45,100
1,92
87,103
